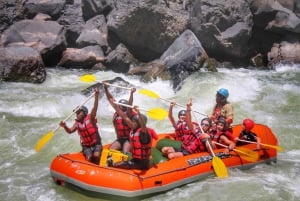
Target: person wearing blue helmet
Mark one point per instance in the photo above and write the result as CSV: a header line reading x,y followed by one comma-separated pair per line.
x,y
223,108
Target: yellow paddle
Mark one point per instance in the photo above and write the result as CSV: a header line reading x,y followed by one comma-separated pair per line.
x,y
152,94
217,163
92,78
245,153
278,148
49,135
154,113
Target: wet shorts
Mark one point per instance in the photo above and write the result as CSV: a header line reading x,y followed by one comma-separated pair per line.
x,y
88,151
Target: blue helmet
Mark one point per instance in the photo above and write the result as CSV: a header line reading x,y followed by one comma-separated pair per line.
x,y
224,92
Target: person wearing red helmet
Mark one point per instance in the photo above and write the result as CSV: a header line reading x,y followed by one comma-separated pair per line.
x,y
247,134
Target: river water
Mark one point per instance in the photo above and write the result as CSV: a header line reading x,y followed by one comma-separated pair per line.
x,y
29,111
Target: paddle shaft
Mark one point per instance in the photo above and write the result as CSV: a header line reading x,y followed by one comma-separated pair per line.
x,y
182,106
222,145
92,78
266,145
152,94
117,86
130,106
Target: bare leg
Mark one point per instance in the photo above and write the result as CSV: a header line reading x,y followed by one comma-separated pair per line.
x,y
115,145
126,147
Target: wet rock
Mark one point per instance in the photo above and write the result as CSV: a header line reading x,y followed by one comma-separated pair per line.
x,y
83,58
21,64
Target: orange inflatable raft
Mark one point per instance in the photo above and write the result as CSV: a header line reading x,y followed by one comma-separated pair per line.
x,y
71,169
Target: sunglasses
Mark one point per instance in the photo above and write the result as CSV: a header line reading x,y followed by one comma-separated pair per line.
x,y
203,124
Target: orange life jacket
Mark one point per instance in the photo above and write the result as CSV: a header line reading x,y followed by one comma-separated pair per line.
x,y
193,142
88,132
215,136
122,129
182,129
139,150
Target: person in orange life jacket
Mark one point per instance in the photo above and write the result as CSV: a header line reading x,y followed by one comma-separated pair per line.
x,y
180,126
223,109
140,140
247,134
222,135
192,142
122,130
87,128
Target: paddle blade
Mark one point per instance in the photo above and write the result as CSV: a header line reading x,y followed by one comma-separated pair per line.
x,y
247,154
88,78
219,167
157,113
148,93
43,141
278,148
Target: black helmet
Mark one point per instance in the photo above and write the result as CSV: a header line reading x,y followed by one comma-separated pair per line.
x,y
84,109
181,112
125,102
136,119
222,121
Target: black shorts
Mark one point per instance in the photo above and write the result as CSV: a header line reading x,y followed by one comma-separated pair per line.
x,y
184,152
88,151
122,141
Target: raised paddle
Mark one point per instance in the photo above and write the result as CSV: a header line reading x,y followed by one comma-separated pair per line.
x,y
278,148
92,78
154,113
49,135
217,163
245,153
152,94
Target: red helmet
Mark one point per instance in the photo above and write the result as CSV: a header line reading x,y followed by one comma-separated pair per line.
x,y
248,124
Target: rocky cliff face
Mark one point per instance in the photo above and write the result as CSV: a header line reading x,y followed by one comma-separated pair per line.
x,y
141,36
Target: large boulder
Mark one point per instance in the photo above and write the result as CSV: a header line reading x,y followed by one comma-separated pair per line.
x,y
84,58
48,36
273,16
52,8
91,8
94,33
120,59
284,53
184,57
147,27
21,64
73,22
223,27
